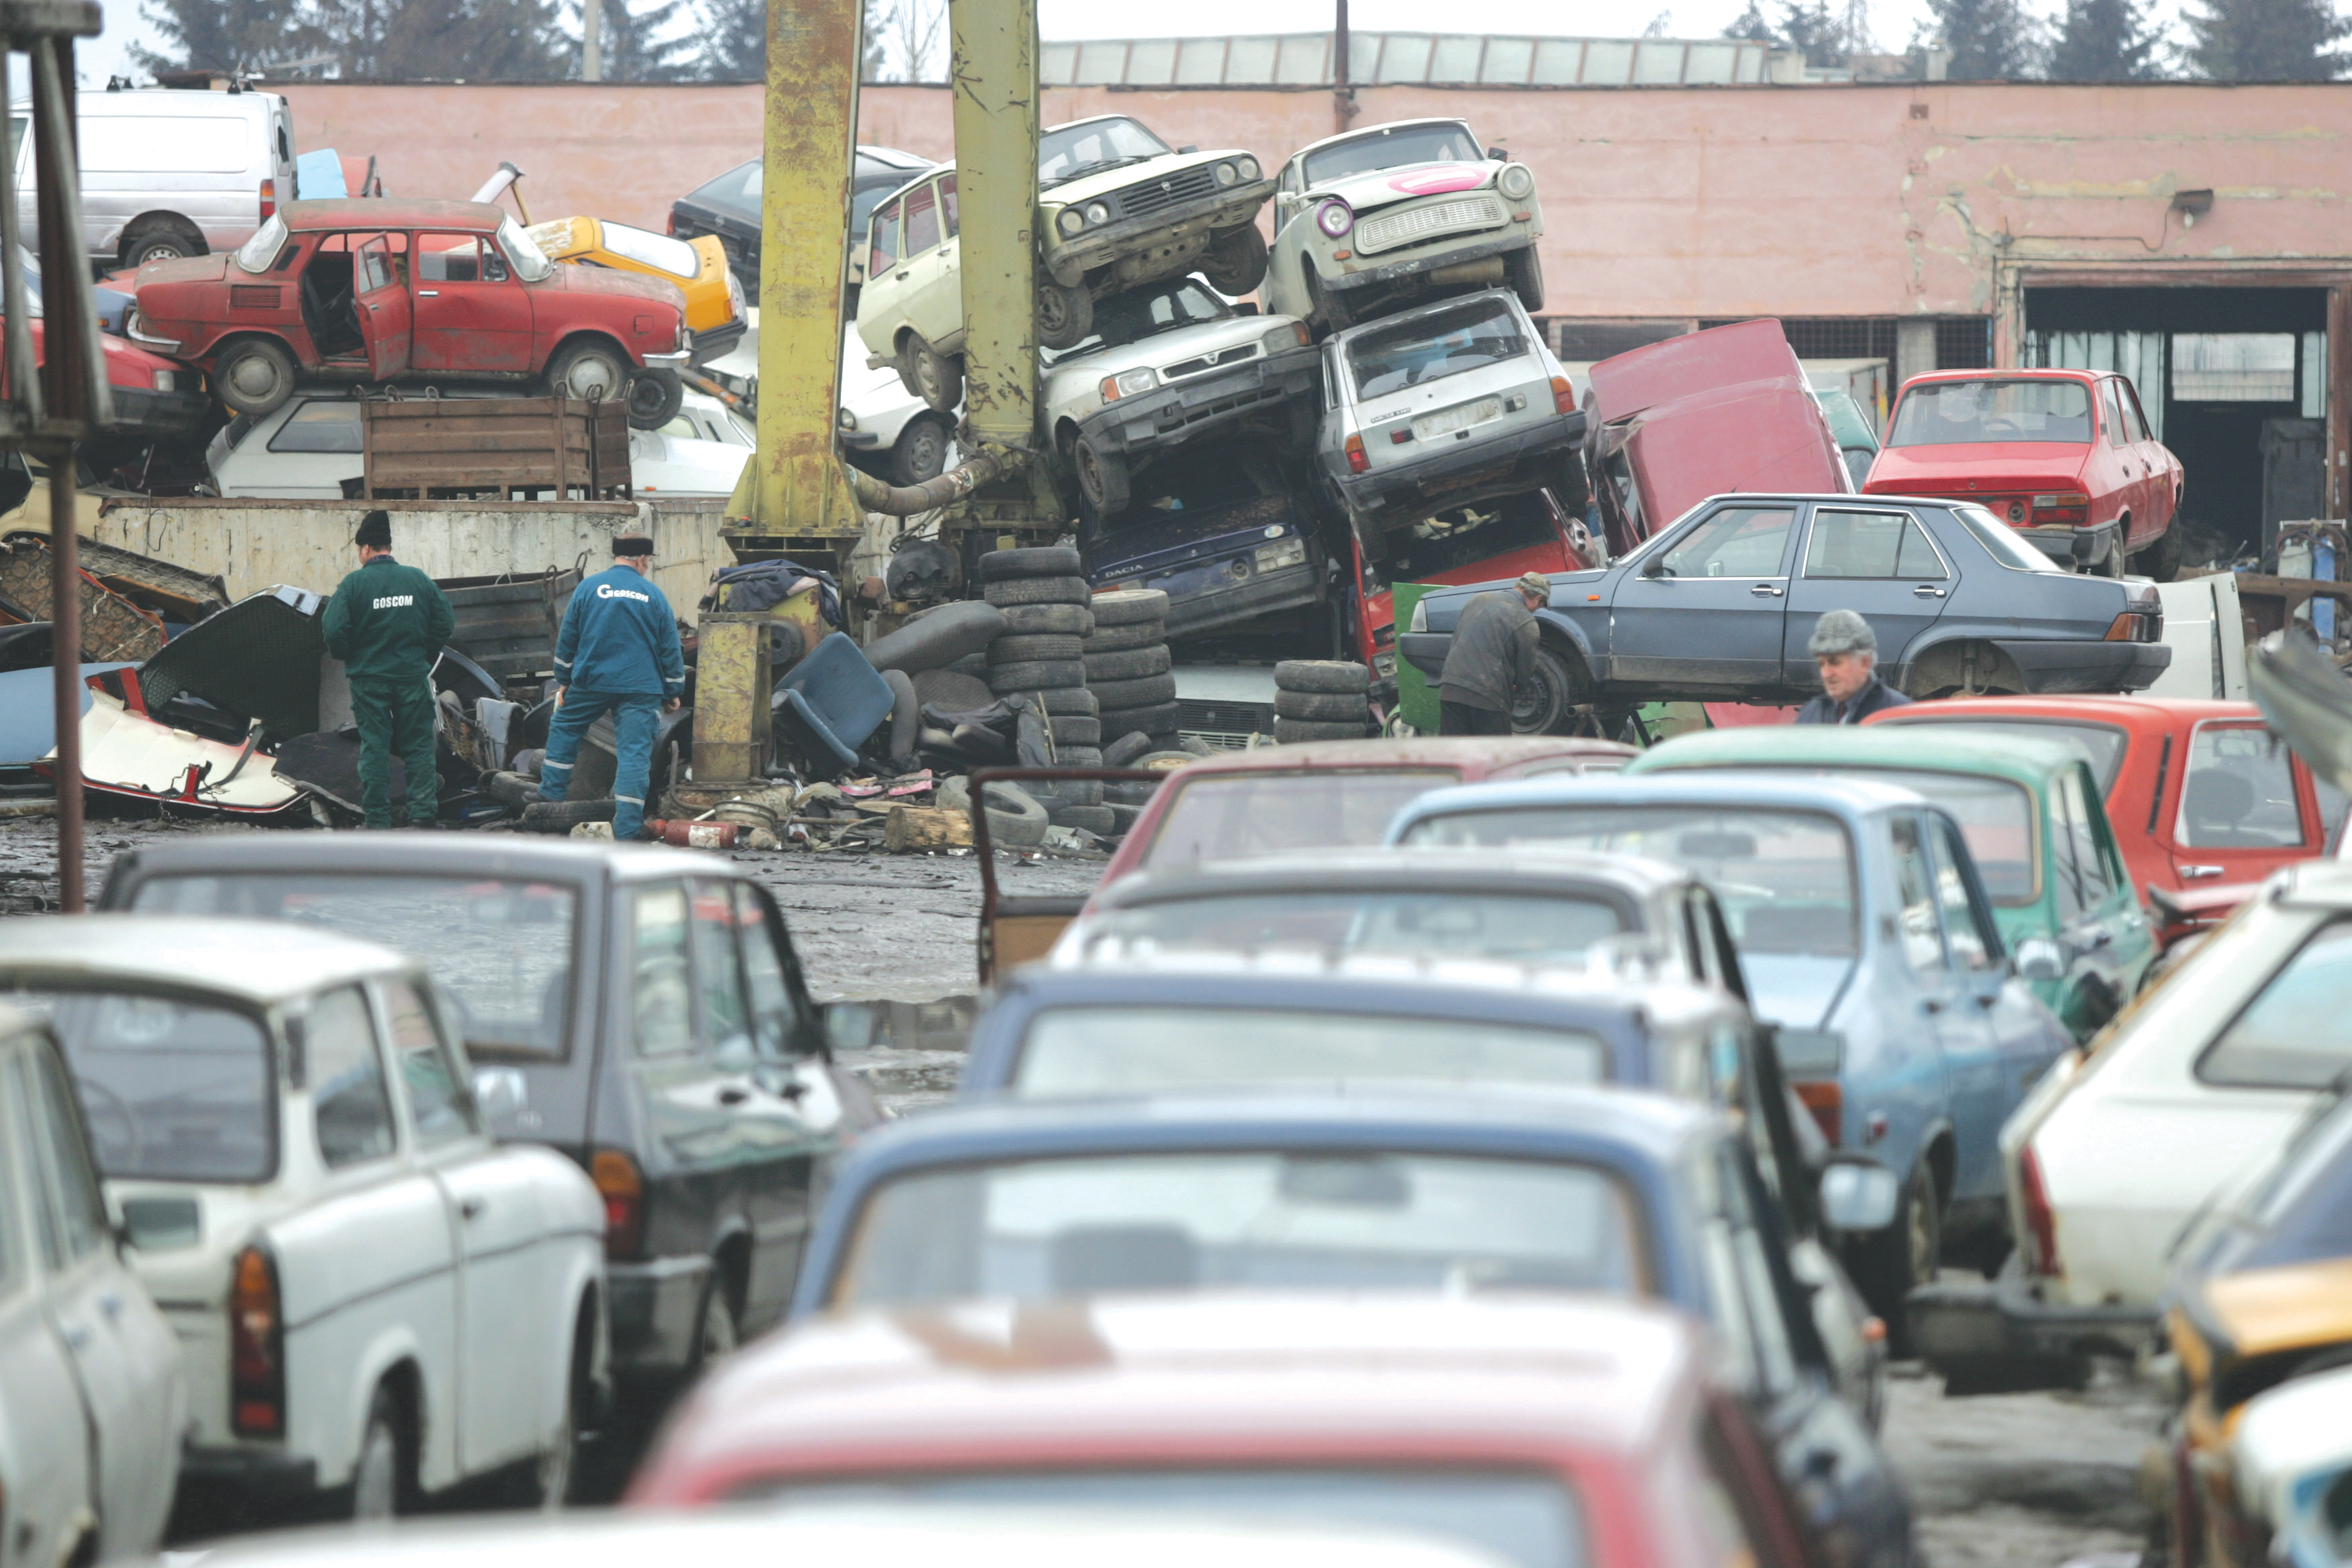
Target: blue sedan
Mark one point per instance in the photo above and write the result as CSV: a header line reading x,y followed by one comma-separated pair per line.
x,y
1866,935
1561,1189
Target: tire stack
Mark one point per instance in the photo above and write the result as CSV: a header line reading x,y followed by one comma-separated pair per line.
x,y
1321,699
1040,656
1127,665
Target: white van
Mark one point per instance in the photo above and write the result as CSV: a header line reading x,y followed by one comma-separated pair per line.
x,y
169,171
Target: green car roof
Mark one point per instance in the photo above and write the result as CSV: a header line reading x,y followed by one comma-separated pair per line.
x,y
2019,759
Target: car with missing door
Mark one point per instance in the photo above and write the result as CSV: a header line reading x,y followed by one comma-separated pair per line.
x,y
373,1300
1371,219
641,1010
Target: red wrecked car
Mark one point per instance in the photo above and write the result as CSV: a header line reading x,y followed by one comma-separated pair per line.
x,y
1703,414
371,289
2064,456
152,396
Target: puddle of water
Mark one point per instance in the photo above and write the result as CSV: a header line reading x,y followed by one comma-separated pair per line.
x,y
911,1052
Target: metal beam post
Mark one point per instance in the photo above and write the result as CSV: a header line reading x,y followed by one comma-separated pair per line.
x,y
992,68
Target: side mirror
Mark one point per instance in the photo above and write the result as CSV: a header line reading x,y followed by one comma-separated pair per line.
x,y
2039,958
1497,154
1859,1194
499,1092
1246,307
1655,566
1188,147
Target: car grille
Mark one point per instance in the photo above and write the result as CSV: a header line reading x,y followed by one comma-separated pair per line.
x,y
1225,725
1175,418
1149,197
1403,228
1234,355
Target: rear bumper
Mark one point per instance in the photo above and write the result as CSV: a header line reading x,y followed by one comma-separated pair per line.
x,y
1371,494
2058,540
2054,666
1175,415
656,1305
159,413
715,343
1998,1334
255,1475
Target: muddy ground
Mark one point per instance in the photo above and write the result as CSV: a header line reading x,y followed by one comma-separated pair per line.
x,y
2018,1480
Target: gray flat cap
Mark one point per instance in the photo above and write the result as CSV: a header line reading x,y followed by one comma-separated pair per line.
x,y
1841,631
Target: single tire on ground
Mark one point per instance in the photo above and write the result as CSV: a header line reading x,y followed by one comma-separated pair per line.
x,y
1080,754
1321,675
1158,718
1323,707
1297,732
1119,753
1076,732
1067,792
1148,692
1035,675
1015,819
1076,701
1023,648
563,815
1049,620
1122,817
1039,561
1126,607
1099,820
1167,759
1126,664
1114,639
513,791
1036,591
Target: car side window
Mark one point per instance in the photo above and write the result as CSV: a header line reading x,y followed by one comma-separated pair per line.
x,y
1967,932
662,1003
1914,886
2111,405
1290,178
2292,1034
435,1097
2238,792
350,1103
2139,416
922,219
320,425
947,204
885,254
773,1016
457,258
1738,541
2067,837
73,1212
1871,544
719,972
2090,861
375,265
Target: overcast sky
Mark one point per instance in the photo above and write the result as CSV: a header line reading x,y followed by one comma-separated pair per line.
x,y
1893,21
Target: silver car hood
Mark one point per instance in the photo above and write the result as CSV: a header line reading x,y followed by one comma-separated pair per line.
x,y
1408,183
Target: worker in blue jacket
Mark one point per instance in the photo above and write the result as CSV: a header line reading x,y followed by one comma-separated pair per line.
x,y
618,653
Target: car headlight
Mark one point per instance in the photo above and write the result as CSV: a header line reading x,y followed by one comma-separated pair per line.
x,y
1127,384
1249,168
1335,218
1098,213
1420,622
1227,173
165,381
1071,221
1282,340
1516,181
844,419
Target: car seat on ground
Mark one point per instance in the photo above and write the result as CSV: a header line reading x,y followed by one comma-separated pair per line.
x,y
830,703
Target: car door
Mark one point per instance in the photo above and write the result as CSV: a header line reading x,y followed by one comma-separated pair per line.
x,y
1947,1006
470,311
2115,462
506,1312
1878,562
934,286
2100,925
1998,1053
1705,609
2236,815
2163,469
45,1435
123,1352
381,295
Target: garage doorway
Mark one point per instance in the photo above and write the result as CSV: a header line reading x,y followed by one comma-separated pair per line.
x,y
2234,381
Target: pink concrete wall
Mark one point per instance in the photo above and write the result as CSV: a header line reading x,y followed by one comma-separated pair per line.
x,y
1829,201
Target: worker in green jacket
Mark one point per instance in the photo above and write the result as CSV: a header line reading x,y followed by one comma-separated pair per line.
x,y
388,623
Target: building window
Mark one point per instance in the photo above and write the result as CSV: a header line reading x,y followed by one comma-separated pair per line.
x,y
1964,343
2233,367
1605,339
1833,337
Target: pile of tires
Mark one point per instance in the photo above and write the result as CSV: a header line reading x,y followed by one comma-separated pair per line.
x,y
1040,656
1321,699
1127,665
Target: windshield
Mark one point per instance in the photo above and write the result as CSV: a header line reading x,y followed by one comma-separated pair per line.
x,y
1785,878
738,189
2102,745
674,257
530,263
1222,1219
256,254
501,950
1996,817
1555,926
1069,150
1523,1520
1414,353
1977,413
1450,142
1129,318
1458,540
2002,541
172,1090
1231,816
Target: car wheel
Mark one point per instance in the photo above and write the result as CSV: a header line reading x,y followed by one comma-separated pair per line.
x,y
1235,263
589,369
1550,700
551,1473
655,398
1328,307
2111,564
255,376
920,452
1102,476
932,376
715,1337
157,243
1065,315
1523,270
2161,559
1887,1264
377,1485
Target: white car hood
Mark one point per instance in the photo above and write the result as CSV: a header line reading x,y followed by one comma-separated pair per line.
x,y
1068,381
1386,187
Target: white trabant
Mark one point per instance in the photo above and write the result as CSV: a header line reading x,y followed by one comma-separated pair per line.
x,y
1379,217
373,1300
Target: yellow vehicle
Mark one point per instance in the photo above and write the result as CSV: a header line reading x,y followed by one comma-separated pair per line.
x,y
714,299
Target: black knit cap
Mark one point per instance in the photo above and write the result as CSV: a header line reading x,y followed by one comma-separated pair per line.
x,y
375,531
632,544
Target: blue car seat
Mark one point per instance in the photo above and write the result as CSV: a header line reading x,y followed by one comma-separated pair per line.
x,y
830,702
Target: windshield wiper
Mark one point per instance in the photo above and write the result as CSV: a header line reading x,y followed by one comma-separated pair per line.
x,y
1097,167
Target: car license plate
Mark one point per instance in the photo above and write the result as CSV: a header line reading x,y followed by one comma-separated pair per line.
x,y
1446,421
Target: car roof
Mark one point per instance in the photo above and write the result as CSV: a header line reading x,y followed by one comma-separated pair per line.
x,y
1852,799
257,962
1177,1374
417,853
2023,759
2088,706
1434,308
1485,752
380,212
1431,868
2045,373
1385,125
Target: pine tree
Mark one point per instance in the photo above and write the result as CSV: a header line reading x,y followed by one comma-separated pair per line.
x,y
2103,40
1990,40
633,44
442,41
1750,27
221,35
1814,30
2266,40
734,39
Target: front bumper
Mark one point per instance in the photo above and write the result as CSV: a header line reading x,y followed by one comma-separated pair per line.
x,y
159,413
250,1474
716,342
1382,489
1997,1336
2058,667
677,361
1172,416
1068,260
656,1308
1499,242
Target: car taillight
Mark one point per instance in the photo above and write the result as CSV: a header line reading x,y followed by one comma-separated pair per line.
x,y
623,1187
1563,396
2124,627
2069,505
268,200
669,224
1357,461
257,1345
1826,1100
2041,1224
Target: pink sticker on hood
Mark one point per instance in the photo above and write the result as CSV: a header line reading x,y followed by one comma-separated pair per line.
x,y
1435,182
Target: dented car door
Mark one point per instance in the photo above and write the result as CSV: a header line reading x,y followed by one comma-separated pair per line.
x,y
386,318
